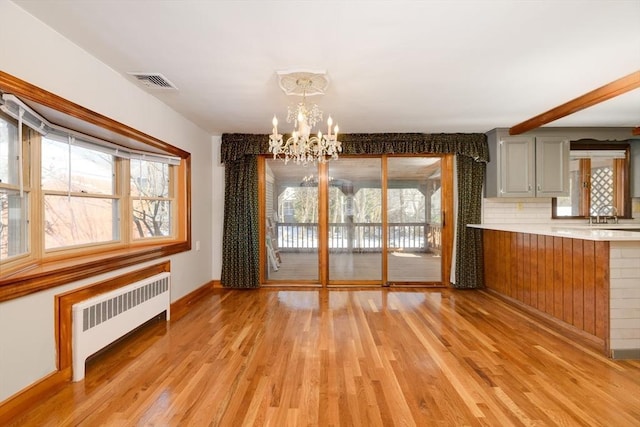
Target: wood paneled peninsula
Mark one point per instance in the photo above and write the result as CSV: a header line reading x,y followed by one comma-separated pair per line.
x,y
585,277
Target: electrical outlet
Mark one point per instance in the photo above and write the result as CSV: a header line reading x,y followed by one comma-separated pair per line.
x,y
197,245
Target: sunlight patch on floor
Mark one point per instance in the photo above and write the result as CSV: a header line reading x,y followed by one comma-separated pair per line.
x,y
405,255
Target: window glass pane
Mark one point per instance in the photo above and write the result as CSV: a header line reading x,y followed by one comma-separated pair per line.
x,y
291,226
70,221
149,179
91,171
602,186
298,206
151,218
435,205
570,205
13,224
55,165
414,229
355,222
8,151
405,205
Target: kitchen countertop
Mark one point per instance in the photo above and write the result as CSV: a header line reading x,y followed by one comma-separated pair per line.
x,y
603,232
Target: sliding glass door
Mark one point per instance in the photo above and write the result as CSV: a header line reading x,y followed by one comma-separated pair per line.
x,y
290,223
355,221
361,221
414,220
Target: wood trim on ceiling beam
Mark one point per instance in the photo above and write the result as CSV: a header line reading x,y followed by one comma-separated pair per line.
x,y
636,131
608,91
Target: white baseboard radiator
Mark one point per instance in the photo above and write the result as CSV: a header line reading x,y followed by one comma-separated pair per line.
x,y
101,320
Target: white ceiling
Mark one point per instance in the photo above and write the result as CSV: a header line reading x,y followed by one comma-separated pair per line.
x,y
394,66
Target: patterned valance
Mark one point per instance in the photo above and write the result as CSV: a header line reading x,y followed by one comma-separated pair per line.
x,y
236,145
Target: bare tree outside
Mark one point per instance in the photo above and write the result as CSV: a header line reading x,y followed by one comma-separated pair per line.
x,y
406,205
80,206
13,204
151,204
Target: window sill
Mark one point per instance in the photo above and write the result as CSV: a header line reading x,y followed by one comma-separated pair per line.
x,y
48,275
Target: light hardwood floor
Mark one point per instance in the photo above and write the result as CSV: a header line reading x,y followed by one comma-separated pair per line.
x,y
349,357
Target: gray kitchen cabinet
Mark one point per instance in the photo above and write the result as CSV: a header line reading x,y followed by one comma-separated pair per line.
x,y
552,166
527,166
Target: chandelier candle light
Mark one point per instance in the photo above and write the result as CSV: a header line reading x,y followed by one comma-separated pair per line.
x,y
301,147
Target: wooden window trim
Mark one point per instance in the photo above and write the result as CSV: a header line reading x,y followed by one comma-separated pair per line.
x,y
37,274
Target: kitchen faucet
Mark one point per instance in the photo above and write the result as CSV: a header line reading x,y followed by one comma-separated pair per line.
x,y
605,219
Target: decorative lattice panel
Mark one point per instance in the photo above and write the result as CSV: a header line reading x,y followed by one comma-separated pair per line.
x,y
601,189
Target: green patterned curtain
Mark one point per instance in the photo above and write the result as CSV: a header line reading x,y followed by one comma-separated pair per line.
x,y
469,259
240,262
240,234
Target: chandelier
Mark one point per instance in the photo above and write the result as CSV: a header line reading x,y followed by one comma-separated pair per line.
x,y
301,147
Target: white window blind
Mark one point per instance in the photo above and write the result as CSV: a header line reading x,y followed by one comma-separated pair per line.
x,y
589,154
13,106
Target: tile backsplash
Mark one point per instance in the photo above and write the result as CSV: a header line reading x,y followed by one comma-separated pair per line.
x,y
529,211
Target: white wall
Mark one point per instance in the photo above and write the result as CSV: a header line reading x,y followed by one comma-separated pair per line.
x,y
34,52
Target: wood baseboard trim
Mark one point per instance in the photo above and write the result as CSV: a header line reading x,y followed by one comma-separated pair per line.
x,y
20,402
181,306
217,284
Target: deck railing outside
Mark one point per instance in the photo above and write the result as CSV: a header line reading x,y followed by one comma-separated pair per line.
x,y
365,237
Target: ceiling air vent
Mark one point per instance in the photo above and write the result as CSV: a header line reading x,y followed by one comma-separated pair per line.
x,y
154,81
